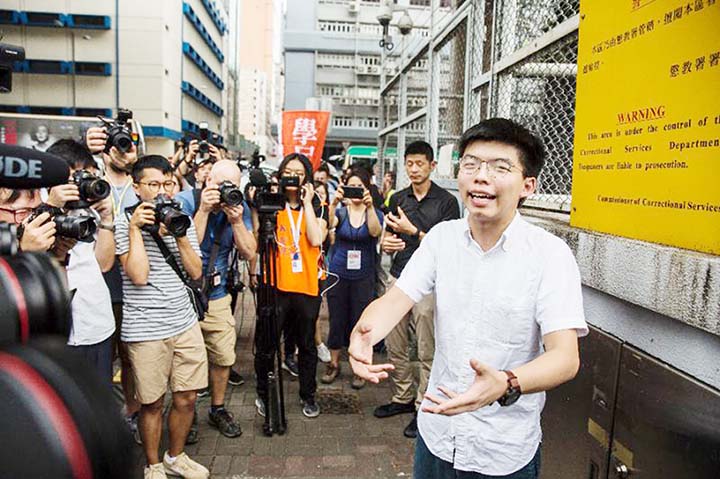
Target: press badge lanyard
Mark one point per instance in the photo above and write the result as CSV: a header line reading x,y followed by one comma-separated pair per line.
x,y
354,256
116,207
295,229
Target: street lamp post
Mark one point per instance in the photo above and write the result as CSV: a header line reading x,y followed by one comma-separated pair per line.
x,y
405,24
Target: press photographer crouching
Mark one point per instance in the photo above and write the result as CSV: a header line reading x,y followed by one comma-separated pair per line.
x,y
87,195
218,213
159,253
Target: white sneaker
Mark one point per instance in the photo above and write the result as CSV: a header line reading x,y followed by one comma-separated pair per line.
x,y
185,467
156,471
323,353
260,407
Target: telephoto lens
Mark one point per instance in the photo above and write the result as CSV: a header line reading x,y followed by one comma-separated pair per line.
x,y
230,194
34,297
169,212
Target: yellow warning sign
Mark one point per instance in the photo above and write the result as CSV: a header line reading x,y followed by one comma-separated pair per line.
x,y
647,129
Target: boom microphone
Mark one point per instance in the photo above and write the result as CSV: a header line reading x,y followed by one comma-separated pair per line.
x,y
258,178
25,169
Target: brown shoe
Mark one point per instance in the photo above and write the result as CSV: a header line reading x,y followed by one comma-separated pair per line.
x,y
331,372
357,383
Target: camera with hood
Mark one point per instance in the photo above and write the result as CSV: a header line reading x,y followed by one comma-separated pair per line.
x,y
169,213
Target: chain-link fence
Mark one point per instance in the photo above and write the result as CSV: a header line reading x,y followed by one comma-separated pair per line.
x,y
509,58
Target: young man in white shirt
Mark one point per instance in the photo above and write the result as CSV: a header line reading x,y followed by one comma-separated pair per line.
x,y
508,313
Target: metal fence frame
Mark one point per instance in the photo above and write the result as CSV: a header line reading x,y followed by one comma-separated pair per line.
x,y
512,58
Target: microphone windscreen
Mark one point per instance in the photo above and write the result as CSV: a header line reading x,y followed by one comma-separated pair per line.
x,y
24,169
258,178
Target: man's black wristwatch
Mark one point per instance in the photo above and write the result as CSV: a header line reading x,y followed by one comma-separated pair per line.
x,y
513,392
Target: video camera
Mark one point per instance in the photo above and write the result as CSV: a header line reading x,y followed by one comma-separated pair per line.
x,y
168,212
265,202
119,133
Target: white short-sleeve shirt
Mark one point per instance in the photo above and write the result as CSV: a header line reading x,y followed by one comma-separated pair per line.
x,y
492,306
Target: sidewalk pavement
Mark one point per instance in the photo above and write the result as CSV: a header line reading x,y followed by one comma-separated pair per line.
x,y
339,443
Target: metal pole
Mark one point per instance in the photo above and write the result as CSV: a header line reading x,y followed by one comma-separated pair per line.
x,y
403,103
381,116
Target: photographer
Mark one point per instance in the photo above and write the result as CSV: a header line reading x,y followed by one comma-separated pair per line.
x,y
160,325
117,167
15,207
220,225
300,232
93,323
357,228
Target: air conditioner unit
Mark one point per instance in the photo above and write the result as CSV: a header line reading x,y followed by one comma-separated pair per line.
x,y
346,101
373,69
354,7
362,69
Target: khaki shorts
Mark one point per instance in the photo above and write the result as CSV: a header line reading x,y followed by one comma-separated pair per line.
x,y
218,329
180,359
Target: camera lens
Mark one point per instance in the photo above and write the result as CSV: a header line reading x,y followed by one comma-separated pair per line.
x,y
93,189
8,239
122,142
175,221
230,194
34,298
80,228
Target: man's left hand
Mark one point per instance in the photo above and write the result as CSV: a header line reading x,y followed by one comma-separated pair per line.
x,y
61,194
234,213
489,386
400,223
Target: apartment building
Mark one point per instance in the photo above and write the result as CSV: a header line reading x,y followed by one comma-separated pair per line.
x,y
332,50
162,59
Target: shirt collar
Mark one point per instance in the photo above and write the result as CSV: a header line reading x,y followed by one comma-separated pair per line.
x,y
430,194
508,240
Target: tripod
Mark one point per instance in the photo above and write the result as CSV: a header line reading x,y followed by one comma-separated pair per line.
x,y
267,335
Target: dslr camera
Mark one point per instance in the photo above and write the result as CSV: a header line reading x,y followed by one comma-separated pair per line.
x,y
80,228
230,194
169,213
203,153
119,133
92,189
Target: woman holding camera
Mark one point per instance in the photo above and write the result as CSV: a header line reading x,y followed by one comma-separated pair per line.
x,y
358,225
300,231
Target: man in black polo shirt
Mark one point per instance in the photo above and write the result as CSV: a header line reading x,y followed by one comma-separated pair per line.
x,y
413,211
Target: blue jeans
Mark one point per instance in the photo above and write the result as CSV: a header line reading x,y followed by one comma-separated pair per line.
x,y
429,466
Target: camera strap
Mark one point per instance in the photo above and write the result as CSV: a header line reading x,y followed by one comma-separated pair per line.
x,y
169,258
217,234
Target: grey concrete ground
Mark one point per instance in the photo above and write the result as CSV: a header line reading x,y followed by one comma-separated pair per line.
x,y
339,443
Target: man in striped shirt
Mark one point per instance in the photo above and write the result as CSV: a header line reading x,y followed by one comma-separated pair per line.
x,y
159,323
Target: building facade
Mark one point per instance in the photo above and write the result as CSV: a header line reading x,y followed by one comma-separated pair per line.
x,y
332,51
164,60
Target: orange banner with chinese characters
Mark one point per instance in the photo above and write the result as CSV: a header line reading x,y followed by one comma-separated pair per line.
x,y
304,132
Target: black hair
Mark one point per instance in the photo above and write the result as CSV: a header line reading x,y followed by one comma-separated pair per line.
x,y
75,154
393,176
302,159
324,168
502,130
156,162
420,148
361,173
16,194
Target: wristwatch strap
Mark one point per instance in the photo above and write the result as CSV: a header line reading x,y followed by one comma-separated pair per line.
x,y
110,227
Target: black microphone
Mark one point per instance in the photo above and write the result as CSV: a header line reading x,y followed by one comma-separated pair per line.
x,y
25,169
258,178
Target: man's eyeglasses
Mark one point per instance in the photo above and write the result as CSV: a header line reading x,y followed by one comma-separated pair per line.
x,y
470,165
154,186
19,214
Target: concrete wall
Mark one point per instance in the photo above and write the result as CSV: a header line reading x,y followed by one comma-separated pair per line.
x,y
299,79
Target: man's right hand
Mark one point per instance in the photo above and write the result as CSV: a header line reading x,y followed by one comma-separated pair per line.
x,y
61,194
361,356
209,198
95,139
144,215
392,244
39,234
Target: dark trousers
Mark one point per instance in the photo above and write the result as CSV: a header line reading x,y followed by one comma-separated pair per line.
x,y
429,466
301,311
346,302
99,357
